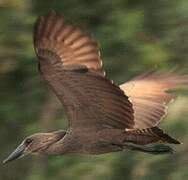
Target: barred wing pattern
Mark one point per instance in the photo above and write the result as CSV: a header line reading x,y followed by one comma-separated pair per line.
x,y
69,61
69,43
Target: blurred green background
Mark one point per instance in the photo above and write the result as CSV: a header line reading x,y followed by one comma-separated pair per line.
x,y
135,36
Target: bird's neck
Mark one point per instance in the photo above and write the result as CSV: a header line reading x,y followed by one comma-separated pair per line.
x,y
60,148
57,146
67,145
55,149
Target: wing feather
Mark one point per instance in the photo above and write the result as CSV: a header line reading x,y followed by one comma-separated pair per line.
x,y
149,96
70,62
71,44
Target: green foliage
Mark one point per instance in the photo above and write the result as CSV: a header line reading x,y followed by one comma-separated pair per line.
x,y
135,36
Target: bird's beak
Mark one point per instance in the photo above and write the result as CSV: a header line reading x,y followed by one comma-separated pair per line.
x,y
17,153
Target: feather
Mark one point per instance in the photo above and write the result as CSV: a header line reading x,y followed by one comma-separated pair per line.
x,y
149,95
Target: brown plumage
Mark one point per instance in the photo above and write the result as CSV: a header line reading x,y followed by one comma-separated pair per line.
x,y
149,95
103,117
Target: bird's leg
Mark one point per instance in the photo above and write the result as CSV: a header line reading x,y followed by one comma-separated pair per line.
x,y
149,148
104,143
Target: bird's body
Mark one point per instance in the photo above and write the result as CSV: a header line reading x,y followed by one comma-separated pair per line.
x,y
103,117
106,140
87,141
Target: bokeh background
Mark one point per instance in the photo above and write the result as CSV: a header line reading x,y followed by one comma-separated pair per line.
x,y
135,36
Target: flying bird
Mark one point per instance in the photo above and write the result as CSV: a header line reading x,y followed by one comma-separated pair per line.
x,y
103,117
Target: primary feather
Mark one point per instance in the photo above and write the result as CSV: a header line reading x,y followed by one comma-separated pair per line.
x,y
150,97
69,61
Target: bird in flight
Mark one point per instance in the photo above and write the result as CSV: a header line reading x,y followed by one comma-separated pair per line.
x,y
103,117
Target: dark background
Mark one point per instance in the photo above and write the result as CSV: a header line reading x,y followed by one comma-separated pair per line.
x,y
135,36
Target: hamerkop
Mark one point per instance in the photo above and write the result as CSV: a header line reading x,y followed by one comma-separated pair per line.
x,y
103,117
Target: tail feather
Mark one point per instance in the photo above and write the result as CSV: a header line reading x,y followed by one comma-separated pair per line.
x,y
149,135
164,137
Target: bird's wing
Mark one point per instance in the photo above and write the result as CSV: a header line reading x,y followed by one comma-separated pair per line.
x,y
69,61
67,42
150,97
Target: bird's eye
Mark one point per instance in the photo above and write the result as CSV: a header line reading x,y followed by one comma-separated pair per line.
x,y
28,141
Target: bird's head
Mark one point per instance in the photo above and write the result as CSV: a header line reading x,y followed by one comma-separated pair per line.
x,y
35,144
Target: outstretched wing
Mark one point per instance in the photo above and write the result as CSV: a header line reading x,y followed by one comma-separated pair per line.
x,y
69,61
149,96
66,42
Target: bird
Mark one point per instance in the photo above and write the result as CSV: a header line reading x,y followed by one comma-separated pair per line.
x,y
103,117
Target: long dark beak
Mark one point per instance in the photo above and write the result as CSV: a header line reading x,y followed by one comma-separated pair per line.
x,y
17,153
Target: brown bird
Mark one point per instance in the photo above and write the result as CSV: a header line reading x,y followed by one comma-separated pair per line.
x,y
103,117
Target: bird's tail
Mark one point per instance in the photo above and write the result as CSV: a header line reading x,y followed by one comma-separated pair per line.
x,y
149,135
145,140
